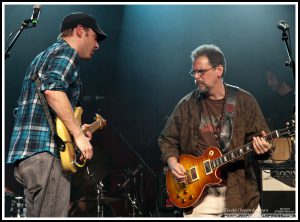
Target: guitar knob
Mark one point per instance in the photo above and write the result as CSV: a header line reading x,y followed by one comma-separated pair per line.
x,y
178,196
191,197
182,201
185,192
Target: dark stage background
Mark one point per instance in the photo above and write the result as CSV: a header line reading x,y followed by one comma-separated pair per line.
x,y
141,71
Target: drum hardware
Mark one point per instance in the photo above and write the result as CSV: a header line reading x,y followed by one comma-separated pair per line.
x,y
134,206
9,200
17,207
100,199
130,196
141,163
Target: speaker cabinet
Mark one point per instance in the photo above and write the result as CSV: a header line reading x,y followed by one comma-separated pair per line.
x,y
165,208
164,201
278,192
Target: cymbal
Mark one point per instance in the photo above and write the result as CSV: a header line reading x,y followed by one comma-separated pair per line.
x,y
104,200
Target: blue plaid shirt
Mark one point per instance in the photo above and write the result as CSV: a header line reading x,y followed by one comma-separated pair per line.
x,y
58,70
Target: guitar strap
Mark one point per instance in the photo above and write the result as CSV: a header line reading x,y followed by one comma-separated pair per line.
x,y
229,114
60,143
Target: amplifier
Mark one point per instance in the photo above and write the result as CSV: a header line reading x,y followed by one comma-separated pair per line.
x,y
165,207
164,201
278,192
286,177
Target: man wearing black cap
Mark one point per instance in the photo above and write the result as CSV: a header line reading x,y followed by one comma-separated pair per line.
x,y
33,150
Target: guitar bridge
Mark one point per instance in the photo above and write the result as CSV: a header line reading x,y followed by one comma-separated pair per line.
x,y
182,184
79,159
192,174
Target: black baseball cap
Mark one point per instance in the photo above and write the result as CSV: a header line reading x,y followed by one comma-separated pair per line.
x,y
86,20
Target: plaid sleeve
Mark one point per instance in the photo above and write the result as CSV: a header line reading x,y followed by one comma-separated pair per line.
x,y
61,71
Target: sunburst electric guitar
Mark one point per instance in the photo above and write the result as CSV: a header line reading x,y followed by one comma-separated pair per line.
x,y
70,155
202,170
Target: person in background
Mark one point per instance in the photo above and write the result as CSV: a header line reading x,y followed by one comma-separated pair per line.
x,y
280,112
282,107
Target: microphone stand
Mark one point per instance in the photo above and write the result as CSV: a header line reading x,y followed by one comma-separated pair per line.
x,y
100,195
133,205
134,152
124,184
141,191
24,25
133,200
135,171
158,128
291,62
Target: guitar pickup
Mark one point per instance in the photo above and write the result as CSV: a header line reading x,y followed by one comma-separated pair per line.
x,y
207,167
192,174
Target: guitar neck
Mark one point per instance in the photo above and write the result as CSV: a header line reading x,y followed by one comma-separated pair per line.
x,y
93,127
236,153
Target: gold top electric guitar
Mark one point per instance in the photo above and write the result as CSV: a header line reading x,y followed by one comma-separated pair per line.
x,y
70,155
203,171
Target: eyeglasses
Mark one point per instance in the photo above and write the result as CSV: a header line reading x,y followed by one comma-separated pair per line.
x,y
200,71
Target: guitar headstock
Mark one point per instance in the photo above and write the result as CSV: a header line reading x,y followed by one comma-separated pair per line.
x,y
291,126
289,130
100,120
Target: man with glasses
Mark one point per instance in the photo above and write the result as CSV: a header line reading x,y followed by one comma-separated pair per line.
x,y
217,115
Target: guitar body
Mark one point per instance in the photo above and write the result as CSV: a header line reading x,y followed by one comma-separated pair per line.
x,y
185,194
71,156
68,156
205,169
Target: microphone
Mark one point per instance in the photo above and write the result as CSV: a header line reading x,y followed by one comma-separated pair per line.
x,y
282,25
92,98
35,14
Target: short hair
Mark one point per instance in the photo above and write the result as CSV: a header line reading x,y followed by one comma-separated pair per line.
x,y
213,53
68,32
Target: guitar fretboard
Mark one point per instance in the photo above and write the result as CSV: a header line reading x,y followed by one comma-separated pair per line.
x,y
95,125
234,154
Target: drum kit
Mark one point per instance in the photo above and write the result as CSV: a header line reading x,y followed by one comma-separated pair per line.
x,y
96,203
14,205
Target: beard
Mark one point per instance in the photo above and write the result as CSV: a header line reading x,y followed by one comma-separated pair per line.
x,y
203,88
